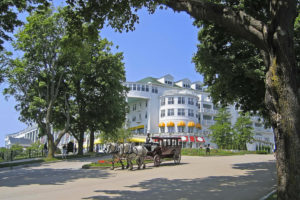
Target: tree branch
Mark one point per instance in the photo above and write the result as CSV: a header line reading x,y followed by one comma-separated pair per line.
x,y
236,22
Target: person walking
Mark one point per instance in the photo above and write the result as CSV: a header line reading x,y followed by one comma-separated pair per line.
x,y
64,152
207,149
45,150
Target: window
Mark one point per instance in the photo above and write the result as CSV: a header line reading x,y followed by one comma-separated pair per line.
x,y
170,100
134,107
207,117
198,87
147,88
180,129
258,125
162,101
146,115
143,88
207,106
146,104
181,100
186,85
154,90
180,112
133,118
190,129
168,82
191,101
162,129
130,87
170,112
162,113
138,87
134,87
171,129
191,113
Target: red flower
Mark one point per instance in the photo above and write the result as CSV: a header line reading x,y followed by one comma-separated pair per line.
x,y
101,161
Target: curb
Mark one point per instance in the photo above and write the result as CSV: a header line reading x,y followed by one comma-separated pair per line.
x,y
268,195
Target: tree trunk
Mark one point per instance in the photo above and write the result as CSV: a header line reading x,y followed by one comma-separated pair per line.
x,y
282,101
51,146
80,143
283,104
92,139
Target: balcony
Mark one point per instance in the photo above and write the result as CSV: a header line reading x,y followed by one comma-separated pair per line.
x,y
207,122
208,111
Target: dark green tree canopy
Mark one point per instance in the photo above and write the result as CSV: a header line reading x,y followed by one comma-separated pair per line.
x,y
9,10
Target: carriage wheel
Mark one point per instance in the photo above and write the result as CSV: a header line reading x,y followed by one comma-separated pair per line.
x,y
156,160
177,158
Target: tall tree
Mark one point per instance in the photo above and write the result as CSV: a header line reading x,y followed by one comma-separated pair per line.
x,y
221,130
243,131
95,80
36,79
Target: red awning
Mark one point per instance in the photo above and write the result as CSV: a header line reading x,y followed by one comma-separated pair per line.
x,y
184,138
200,139
192,138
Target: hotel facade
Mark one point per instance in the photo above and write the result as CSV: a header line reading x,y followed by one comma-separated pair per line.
x,y
164,107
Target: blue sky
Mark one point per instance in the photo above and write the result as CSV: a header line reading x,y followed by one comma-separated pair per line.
x,y
163,43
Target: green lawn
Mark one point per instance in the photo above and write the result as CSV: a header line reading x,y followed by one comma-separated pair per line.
x,y
272,197
214,152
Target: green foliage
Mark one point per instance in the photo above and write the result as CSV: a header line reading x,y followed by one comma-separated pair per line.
x,y
240,76
121,15
94,82
242,131
3,151
35,148
221,130
119,135
34,77
17,148
9,10
233,68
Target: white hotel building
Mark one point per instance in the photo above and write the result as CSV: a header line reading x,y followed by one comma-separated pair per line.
x,y
164,107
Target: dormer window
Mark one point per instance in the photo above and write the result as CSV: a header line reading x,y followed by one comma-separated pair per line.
x,y
198,87
168,82
185,85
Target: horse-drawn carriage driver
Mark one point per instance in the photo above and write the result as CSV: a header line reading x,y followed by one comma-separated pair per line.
x,y
148,142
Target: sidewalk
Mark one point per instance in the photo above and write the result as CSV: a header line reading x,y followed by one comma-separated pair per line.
x,y
21,161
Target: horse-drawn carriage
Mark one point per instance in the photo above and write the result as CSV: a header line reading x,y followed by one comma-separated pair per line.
x,y
164,147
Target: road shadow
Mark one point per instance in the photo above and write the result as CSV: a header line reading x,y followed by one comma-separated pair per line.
x,y
47,176
258,181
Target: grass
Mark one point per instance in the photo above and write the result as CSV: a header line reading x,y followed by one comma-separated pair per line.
x,y
43,159
12,164
272,197
213,152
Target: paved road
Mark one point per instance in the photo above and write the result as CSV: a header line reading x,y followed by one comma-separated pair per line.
x,y
246,177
